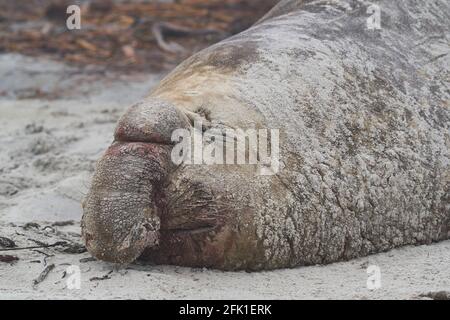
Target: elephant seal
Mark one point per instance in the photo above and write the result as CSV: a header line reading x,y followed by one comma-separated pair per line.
x,y
363,117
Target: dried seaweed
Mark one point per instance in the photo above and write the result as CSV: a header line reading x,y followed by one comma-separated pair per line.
x,y
43,245
74,248
124,35
8,259
438,295
43,274
105,277
63,223
7,243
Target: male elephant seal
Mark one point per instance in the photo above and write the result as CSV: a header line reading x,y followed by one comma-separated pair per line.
x,y
363,119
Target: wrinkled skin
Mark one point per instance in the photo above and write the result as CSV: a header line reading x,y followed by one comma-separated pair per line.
x,y
364,142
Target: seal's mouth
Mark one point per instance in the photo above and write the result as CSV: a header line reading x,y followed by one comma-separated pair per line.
x,y
122,209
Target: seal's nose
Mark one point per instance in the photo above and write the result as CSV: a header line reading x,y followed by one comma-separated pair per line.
x,y
122,209
121,214
150,120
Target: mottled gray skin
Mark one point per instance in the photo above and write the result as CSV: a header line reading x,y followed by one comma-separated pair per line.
x,y
364,126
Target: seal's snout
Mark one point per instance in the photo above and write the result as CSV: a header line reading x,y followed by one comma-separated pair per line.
x,y
122,209
121,216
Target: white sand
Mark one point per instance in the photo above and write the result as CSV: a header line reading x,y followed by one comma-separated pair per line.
x,y
48,150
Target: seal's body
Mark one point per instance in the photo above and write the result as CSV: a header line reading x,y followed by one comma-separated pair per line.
x,y
363,115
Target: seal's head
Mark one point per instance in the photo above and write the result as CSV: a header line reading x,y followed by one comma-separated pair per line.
x,y
141,204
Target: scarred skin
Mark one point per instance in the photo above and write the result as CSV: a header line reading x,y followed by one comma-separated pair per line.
x,y
364,144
